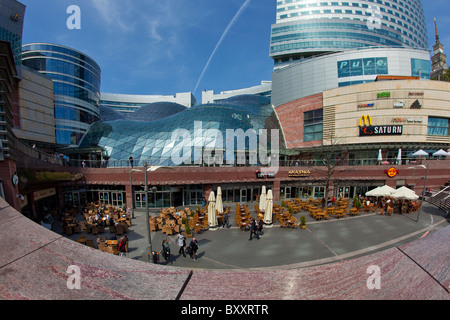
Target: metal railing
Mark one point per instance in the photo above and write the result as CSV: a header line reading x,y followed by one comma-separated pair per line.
x,y
282,163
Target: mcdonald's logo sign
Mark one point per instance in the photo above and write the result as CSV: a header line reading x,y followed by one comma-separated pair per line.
x,y
366,128
367,120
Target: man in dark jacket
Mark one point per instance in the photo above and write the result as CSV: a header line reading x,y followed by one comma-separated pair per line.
x,y
253,229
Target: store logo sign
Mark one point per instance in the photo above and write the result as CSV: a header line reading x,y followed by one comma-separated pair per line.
x,y
400,104
392,172
367,105
416,105
383,95
366,128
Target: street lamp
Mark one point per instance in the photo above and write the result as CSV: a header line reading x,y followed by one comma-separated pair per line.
x,y
147,213
424,186
132,194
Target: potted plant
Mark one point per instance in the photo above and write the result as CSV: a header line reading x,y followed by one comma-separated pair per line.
x,y
303,222
187,230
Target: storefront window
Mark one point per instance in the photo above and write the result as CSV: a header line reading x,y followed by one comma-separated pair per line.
x,y
438,126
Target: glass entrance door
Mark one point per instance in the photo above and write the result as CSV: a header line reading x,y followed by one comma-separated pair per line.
x,y
104,197
116,199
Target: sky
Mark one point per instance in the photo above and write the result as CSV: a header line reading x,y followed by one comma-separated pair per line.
x,y
153,47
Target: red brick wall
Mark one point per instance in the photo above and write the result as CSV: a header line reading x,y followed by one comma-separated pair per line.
x,y
290,116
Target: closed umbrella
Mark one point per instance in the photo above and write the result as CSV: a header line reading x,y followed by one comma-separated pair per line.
x,y
269,208
380,156
399,156
212,218
219,202
262,199
404,193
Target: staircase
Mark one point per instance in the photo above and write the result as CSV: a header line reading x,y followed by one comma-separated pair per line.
x,y
441,199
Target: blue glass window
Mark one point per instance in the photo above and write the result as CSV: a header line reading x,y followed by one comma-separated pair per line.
x,y
438,126
420,68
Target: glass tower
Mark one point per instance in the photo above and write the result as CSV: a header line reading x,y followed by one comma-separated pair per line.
x,y
76,82
11,26
307,28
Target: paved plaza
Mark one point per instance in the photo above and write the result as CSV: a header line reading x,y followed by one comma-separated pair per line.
x,y
321,243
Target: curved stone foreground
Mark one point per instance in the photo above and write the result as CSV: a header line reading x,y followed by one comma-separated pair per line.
x,y
37,264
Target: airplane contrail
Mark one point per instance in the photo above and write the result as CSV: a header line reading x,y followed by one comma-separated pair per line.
x,y
236,16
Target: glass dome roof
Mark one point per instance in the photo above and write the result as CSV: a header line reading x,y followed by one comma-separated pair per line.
x,y
203,127
155,111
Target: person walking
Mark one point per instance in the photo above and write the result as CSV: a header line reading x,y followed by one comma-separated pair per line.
x,y
260,227
182,243
253,229
122,247
166,250
226,221
194,248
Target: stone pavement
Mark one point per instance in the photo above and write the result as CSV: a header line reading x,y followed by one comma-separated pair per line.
x,y
322,242
329,260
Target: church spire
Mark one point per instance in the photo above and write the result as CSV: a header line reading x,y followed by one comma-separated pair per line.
x,y
437,33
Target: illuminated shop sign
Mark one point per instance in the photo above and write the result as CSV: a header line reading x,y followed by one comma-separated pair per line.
x,y
299,173
362,67
366,128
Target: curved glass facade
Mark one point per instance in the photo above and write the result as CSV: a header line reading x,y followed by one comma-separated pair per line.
x,y
306,28
183,137
76,82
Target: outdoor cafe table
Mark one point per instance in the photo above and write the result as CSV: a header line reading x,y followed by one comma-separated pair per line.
x,y
243,225
111,242
320,215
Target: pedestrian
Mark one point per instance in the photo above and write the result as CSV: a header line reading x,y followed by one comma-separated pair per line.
x,y
253,229
166,250
131,161
182,243
226,221
260,227
121,247
194,248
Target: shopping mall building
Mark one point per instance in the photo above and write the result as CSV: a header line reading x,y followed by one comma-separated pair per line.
x,y
350,102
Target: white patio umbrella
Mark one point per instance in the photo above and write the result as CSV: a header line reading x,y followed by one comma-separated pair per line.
x,y
419,153
219,202
383,191
269,208
212,218
380,156
372,192
399,156
440,153
404,193
262,199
